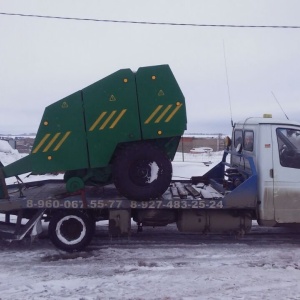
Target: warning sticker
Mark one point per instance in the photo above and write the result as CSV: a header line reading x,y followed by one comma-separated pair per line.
x,y
112,98
64,105
161,93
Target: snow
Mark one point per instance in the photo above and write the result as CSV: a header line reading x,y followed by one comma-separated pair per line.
x,y
154,169
7,153
161,264
158,263
5,147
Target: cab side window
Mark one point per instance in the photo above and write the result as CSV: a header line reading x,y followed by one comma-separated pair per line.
x,y
289,147
238,137
248,140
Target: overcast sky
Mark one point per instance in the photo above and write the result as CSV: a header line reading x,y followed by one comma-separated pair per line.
x,y
44,60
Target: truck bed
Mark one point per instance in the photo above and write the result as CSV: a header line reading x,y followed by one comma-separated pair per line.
x,y
51,194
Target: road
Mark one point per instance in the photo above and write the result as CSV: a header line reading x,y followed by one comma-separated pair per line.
x,y
158,263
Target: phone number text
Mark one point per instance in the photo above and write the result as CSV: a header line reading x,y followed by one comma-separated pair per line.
x,y
102,204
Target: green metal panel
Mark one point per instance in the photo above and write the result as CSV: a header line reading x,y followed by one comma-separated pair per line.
x,y
82,130
111,115
161,103
21,166
168,145
60,143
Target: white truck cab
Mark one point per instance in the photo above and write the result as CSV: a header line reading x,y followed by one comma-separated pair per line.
x,y
274,146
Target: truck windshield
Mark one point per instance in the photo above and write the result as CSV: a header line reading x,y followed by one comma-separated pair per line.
x,y
289,147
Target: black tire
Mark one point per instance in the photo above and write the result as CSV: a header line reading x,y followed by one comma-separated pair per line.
x,y
141,171
71,230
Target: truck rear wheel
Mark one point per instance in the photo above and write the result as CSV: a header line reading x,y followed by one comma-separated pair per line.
x,y
141,172
71,230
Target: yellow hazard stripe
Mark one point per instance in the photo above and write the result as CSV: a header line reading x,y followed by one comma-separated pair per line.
x,y
163,113
40,144
62,140
173,113
51,142
153,114
118,118
107,120
98,120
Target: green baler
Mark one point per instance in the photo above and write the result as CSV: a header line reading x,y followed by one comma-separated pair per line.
x,y
124,129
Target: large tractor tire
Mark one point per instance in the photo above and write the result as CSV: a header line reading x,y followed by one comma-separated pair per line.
x,y
141,172
71,230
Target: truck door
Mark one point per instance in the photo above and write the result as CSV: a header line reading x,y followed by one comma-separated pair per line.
x,y
286,173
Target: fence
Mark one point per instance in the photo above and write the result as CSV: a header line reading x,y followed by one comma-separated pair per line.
x,y
191,147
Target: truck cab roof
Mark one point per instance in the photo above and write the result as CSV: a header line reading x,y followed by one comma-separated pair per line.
x,y
260,120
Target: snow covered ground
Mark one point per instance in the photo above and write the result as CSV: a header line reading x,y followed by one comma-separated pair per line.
x,y
158,263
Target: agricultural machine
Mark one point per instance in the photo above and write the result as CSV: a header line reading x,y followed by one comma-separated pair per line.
x,y
123,129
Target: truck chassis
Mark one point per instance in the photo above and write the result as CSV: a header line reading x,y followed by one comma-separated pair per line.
x,y
204,204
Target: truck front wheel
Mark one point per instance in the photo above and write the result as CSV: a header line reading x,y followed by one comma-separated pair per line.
x,y
141,171
71,230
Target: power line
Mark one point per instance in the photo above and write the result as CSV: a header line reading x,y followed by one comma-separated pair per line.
x,y
153,23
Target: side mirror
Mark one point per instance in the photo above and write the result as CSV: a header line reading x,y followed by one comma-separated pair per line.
x,y
227,142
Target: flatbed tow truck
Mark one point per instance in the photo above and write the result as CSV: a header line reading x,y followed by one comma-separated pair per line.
x,y
120,172
198,205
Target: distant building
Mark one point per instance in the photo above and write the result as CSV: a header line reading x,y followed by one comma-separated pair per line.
x,y
213,141
22,143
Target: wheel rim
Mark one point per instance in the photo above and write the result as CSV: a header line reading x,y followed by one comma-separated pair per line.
x,y
71,230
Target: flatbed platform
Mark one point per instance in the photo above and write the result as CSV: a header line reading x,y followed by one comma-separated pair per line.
x,y
198,205
52,194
